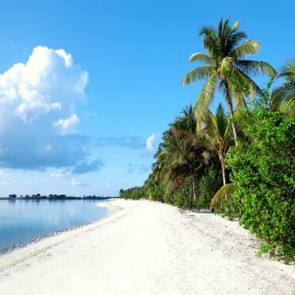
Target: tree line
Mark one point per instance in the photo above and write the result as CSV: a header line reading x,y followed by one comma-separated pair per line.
x,y
38,196
240,161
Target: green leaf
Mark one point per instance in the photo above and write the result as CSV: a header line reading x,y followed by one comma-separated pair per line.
x,y
225,192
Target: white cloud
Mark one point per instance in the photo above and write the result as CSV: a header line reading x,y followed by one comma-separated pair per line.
x,y
75,182
37,112
60,174
66,125
47,82
150,143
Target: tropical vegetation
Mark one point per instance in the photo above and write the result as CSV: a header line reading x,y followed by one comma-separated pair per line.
x,y
226,69
241,163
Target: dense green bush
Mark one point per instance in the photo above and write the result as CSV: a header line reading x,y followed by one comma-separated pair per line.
x,y
263,170
154,191
184,197
208,185
133,193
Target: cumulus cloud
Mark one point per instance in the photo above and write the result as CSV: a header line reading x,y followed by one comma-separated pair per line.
x,y
150,143
47,82
145,147
37,118
68,124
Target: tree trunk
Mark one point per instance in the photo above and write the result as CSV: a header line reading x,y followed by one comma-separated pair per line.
x,y
194,193
221,159
231,111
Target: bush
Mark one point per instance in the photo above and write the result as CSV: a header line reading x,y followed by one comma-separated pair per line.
x,y
154,191
263,171
185,195
134,193
208,185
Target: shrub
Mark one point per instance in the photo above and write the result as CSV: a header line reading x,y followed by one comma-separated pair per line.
x,y
263,171
133,193
208,185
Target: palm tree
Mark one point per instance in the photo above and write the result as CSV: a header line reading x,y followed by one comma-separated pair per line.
x,y
218,136
226,69
283,97
182,153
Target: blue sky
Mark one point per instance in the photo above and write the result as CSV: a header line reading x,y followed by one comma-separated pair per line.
x,y
88,87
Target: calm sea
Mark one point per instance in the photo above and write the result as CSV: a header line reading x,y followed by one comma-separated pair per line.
x,y
22,221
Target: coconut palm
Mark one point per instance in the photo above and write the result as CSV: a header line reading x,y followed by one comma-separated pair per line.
x,y
283,97
182,153
218,136
226,69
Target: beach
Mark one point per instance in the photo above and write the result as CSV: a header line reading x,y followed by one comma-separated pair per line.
x,y
145,247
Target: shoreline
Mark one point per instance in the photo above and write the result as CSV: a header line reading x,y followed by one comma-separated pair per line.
x,y
47,241
14,247
143,247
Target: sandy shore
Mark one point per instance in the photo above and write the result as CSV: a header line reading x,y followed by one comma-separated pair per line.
x,y
146,248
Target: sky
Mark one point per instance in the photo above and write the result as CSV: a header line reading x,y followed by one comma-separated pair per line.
x,y
88,87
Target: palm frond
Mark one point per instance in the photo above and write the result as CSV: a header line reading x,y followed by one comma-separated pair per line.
x,y
207,31
253,67
288,71
210,40
283,98
247,47
200,73
233,41
200,56
235,26
226,64
204,100
238,98
217,133
226,191
243,84
288,106
222,121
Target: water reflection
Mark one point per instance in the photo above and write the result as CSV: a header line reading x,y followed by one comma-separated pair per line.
x,y
24,220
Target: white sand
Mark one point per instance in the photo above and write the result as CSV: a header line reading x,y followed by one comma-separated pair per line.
x,y
146,248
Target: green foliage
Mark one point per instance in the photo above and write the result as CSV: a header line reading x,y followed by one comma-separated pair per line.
x,y
283,97
134,193
185,196
263,170
218,136
209,183
225,193
181,154
154,191
227,207
196,147
225,67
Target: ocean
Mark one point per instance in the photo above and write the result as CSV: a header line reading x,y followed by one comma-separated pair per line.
x,y
23,221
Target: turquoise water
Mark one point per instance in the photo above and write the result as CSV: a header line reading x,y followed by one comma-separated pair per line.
x,y
22,221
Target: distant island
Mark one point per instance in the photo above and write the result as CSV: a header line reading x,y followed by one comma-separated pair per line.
x,y
53,197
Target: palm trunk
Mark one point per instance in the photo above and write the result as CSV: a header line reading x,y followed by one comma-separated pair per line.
x,y
194,193
221,159
231,111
